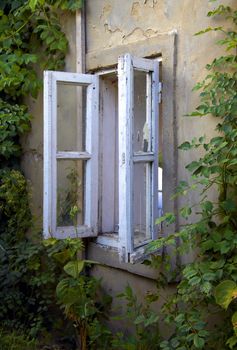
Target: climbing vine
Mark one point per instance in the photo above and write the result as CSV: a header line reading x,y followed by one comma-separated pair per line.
x,y
194,311
31,40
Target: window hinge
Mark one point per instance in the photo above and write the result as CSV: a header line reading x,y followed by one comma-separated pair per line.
x,y
160,93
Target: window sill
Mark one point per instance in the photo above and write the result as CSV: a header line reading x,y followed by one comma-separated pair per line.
x,y
109,256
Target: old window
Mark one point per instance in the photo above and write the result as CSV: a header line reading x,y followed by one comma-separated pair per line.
x,y
70,154
101,168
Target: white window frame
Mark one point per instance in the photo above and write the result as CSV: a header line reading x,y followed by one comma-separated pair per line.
x,y
126,66
51,155
124,240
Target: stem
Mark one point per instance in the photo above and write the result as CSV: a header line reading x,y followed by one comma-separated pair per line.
x,y
83,336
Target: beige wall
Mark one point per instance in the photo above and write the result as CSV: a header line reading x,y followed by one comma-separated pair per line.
x,y
32,161
112,23
118,22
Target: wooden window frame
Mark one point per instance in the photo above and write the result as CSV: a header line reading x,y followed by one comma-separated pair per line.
x,y
90,227
126,66
123,241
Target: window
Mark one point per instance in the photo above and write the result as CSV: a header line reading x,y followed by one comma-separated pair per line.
x,y
70,154
101,162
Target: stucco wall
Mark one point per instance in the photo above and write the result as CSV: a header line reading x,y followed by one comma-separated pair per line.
x,y
32,160
111,24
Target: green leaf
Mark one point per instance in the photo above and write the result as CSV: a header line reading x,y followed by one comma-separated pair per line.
x,y
225,292
152,319
185,146
234,322
194,281
198,341
32,4
74,268
186,212
50,241
209,29
207,206
229,206
168,217
232,341
140,319
193,165
63,256
220,10
68,293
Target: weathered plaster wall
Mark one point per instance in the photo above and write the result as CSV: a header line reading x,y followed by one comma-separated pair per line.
x,y
111,23
114,23
32,161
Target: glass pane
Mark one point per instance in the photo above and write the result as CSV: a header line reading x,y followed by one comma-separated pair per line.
x,y
70,192
160,192
160,164
141,203
142,112
109,154
71,117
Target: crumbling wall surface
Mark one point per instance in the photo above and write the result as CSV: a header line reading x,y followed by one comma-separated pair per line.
x,y
115,23
111,23
32,160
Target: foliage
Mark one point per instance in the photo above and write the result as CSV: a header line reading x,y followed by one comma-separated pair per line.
x,y
14,206
16,341
26,304
225,293
78,295
146,333
214,233
14,121
31,39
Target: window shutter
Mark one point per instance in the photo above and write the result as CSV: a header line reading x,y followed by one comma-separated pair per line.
x,y
138,79
70,158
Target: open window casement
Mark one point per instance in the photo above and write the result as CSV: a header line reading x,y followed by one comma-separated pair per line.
x,y
138,83
70,154
107,186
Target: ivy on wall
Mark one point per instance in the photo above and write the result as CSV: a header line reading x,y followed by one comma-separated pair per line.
x,y
210,280
31,39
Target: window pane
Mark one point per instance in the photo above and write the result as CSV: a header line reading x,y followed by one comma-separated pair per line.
x,y
70,192
160,164
109,154
160,193
142,112
141,203
71,117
